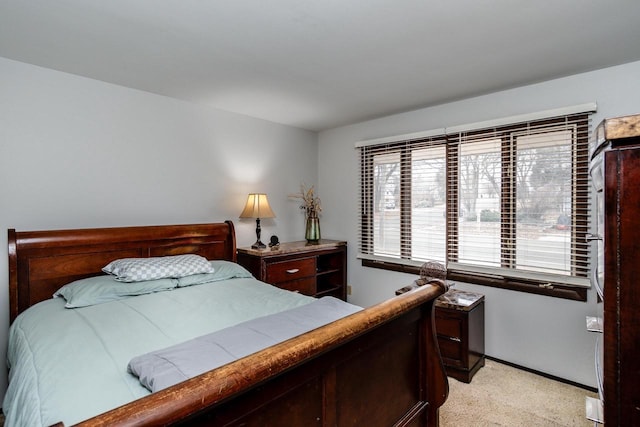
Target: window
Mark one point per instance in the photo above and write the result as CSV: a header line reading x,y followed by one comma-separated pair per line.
x,y
504,206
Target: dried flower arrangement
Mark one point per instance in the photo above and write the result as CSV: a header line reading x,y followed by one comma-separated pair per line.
x,y
310,202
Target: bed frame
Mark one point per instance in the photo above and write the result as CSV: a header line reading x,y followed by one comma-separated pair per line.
x,y
378,367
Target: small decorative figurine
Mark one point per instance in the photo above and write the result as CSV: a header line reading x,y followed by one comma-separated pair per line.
x,y
274,243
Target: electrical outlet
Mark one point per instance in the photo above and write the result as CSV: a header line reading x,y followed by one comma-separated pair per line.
x,y
348,289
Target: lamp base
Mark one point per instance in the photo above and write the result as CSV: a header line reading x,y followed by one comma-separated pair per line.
x,y
258,245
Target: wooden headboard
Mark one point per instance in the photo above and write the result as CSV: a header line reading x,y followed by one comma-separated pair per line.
x,y
40,262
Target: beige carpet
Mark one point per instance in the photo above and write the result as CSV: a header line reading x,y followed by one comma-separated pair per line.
x,y
500,395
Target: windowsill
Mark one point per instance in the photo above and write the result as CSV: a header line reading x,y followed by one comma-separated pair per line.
x,y
539,287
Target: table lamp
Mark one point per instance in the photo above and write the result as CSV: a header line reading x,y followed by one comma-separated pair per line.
x,y
257,207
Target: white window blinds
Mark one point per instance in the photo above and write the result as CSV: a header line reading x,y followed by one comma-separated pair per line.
x,y
507,200
403,197
523,196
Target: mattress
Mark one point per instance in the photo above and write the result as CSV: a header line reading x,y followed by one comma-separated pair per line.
x,y
67,365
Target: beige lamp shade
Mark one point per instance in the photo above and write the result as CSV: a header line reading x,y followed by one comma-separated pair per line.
x,y
257,207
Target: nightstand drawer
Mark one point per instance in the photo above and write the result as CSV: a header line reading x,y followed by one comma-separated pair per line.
x,y
449,327
451,351
304,286
285,271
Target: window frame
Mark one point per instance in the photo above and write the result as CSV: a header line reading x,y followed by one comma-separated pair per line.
x,y
535,283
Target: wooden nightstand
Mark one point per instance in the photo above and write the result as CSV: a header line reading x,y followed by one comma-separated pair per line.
x,y
459,317
460,328
316,270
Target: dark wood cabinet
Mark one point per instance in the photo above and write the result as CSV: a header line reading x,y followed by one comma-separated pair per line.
x,y
616,177
311,269
459,320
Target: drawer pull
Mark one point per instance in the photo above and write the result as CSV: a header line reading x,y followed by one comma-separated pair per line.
x,y
454,339
293,270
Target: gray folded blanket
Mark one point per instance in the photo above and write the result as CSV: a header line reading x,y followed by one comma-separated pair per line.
x,y
163,368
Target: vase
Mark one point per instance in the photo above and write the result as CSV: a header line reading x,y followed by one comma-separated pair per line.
x,y
312,233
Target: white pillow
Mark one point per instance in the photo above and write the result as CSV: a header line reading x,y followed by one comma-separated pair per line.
x,y
140,269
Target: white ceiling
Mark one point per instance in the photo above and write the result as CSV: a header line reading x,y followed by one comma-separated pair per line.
x,y
325,63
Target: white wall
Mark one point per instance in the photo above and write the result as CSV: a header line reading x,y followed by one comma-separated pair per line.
x,y
78,153
542,333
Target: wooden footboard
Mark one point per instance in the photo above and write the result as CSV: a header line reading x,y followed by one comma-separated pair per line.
x,y
378,367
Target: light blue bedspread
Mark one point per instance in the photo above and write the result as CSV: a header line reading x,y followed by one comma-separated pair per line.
x,y
71,364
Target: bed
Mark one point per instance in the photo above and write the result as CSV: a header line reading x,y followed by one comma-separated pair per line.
x,y
378,366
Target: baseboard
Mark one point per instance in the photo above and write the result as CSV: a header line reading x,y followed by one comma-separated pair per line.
x,y
543,374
